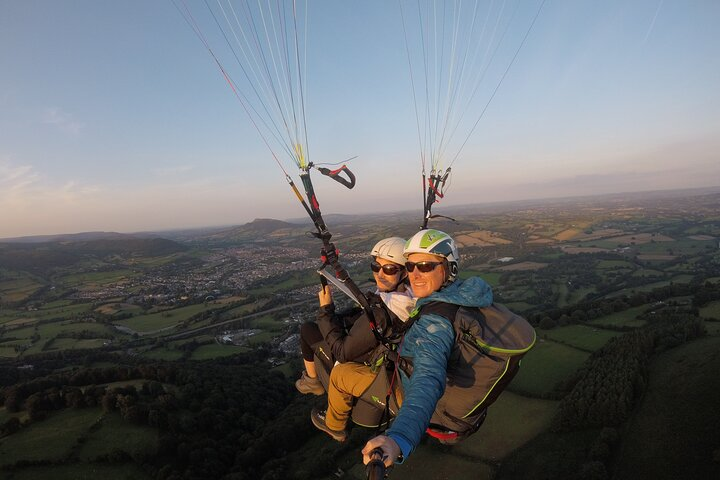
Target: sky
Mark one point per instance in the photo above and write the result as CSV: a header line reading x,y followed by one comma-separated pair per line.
x,y
114,116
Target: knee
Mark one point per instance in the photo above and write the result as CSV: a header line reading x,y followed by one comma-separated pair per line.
x,y
309,330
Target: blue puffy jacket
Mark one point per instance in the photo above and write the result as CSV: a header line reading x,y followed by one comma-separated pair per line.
x,y
428,343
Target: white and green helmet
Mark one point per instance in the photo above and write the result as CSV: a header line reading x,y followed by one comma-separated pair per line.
x,y
437,243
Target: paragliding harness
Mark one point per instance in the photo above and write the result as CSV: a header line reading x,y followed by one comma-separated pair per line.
x,y
489,344
375,406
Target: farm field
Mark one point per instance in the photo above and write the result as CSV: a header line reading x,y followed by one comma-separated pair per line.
x,y
544,366
162,353
579,294
93,280
713,328
16,287
565,258
206,352
512,421
296,280
626,318
711,310
666,442
50,439
116,434
580,336
59,310
152,322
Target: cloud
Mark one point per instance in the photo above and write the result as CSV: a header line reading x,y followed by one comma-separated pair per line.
x,y
34,203
652,23
21,186
16,179
63,121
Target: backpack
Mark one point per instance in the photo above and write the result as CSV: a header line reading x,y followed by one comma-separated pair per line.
x,y
489,344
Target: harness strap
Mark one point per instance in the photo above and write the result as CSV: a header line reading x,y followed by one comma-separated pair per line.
x,y
441,435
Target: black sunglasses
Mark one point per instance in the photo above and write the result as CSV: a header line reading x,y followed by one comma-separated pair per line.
x,y
388,268
423,267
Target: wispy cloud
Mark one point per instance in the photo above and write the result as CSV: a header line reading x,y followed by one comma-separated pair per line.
x,y
24,185
62,120
16,178
652,23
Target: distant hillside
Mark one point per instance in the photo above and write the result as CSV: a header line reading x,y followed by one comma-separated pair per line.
x,y
69,237
41,258
257,230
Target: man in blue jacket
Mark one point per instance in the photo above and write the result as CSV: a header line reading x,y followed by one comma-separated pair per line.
x,y
432,266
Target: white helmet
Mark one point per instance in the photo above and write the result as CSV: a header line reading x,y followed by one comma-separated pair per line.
x,y
437,243
390,249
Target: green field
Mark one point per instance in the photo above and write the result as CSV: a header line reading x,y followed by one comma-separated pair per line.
x,y
297,280
116,308
678,438
712,328
50,439
493,278
560,287
165,319
267,323
55,328
549,456
116,434
615,265
647,272
581,336
626,318
49,331
90,280
205,352
16,287
711,310
60,312
163,353
684,278
512,421
545,365
76,344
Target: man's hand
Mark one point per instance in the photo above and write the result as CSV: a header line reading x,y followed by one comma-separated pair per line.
x,y
387,445
325,296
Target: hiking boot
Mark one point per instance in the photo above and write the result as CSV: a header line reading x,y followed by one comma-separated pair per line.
x,y
318,419
307,384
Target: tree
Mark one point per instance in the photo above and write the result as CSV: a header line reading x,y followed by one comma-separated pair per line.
x,y
547,323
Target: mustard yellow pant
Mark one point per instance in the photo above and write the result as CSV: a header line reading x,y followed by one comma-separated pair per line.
x,y
347,380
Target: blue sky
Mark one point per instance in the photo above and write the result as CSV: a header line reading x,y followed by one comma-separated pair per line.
x,y
114,117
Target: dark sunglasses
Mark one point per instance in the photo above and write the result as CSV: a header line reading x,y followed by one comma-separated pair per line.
x,y
423,267
388,268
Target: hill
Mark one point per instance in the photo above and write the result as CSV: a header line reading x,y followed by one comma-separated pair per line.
x,y
43,258
69,237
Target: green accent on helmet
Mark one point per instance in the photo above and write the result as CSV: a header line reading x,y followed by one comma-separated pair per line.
x,y
430,237
435,242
